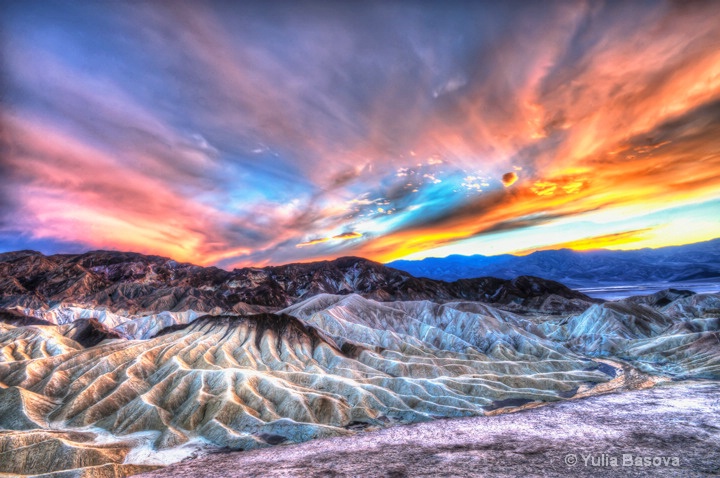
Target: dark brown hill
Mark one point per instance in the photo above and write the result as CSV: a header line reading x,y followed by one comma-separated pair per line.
x,y
138,283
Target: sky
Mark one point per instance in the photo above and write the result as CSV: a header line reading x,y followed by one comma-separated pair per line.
x,y
239,133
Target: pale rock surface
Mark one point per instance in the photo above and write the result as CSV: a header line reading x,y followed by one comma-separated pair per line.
x,y
111,362
677,420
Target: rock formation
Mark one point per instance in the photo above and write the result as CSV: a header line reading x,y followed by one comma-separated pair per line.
x,y
112,363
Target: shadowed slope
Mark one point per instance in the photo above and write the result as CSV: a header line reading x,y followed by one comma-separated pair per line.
x,y
134,284
680,339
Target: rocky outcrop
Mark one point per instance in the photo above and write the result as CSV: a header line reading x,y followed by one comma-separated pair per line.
x,y
680,339
134,284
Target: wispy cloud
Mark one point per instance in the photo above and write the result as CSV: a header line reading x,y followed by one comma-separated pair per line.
x,y
604,241
339,237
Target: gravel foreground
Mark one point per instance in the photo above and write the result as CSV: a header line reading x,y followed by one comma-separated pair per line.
x,y
670,430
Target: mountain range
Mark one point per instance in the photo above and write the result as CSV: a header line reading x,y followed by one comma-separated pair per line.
x,y
134,283
579,269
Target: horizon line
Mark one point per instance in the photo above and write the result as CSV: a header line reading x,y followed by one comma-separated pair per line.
x,y
581,251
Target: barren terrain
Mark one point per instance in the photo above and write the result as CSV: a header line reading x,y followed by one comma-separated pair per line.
x,y
673,420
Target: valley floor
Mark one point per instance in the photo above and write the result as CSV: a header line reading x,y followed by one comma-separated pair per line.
x,y
674,428
616,292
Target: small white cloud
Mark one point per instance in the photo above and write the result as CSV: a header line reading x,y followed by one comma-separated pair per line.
x,y
453,84
432,178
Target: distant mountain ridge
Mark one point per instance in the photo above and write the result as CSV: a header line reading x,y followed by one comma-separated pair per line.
x,y
131,283
699,261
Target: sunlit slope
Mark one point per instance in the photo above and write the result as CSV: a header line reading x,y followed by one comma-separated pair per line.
x,y
246,382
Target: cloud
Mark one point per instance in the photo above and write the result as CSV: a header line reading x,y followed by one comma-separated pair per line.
x,y
74,193
227,133
568,185
312,242
339,237
605,241
544,188
348,235
508,179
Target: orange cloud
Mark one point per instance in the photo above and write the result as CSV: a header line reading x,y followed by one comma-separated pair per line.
x,y
75,193
340,237
509,179
544,188
312,242
604,241
654,178
569,185
348,235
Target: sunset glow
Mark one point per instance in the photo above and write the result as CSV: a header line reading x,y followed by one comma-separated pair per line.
x,y
253,134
